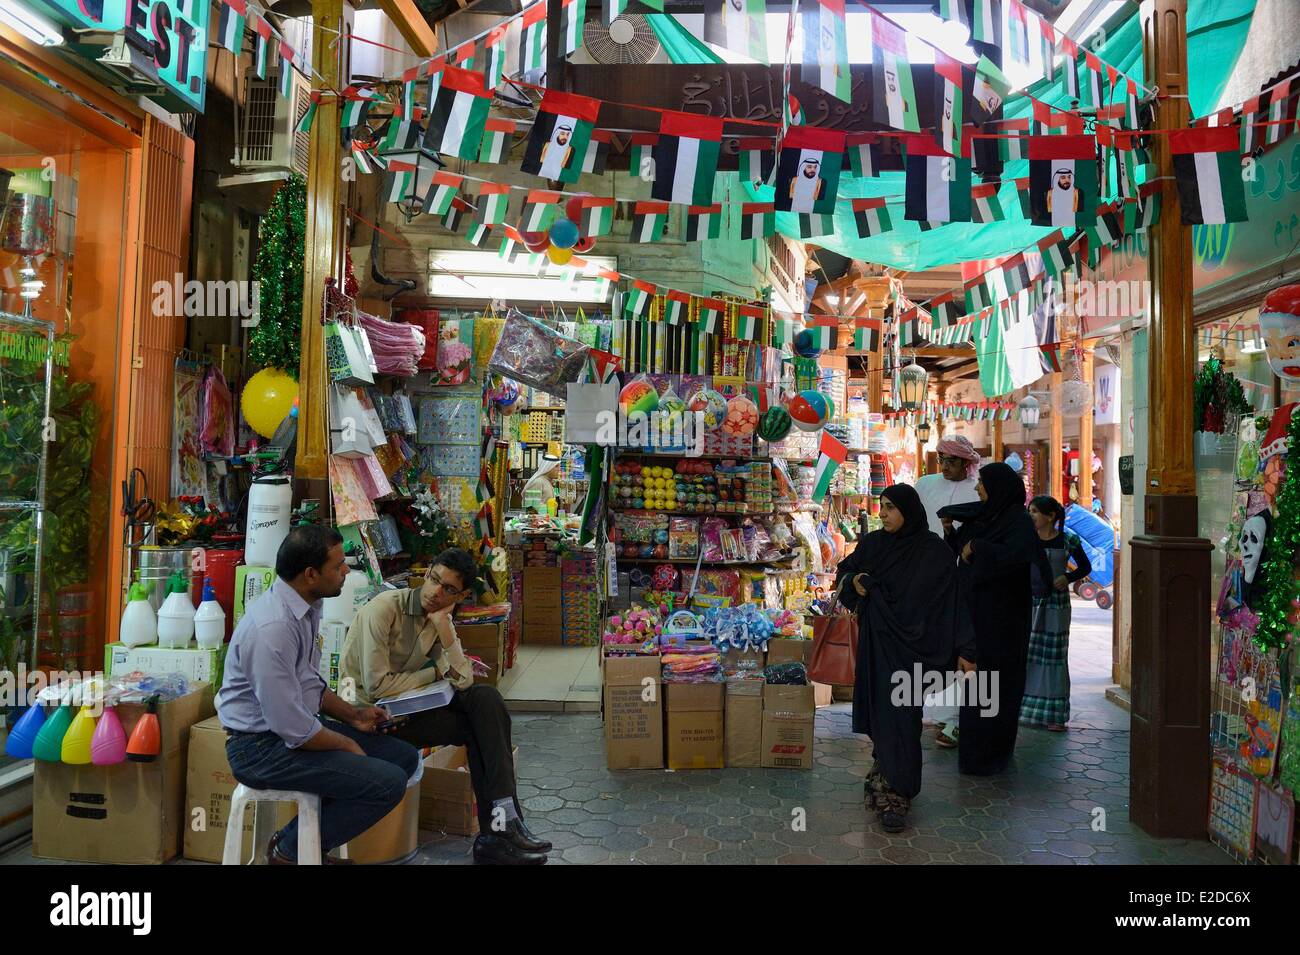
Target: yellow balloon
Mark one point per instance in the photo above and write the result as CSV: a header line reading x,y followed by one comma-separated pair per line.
x,y
268,397
557,255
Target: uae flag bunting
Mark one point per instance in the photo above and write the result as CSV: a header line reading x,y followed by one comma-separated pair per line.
x,y
1147,211
459,114
497,47
826,48
612,9
703,222
871,217
986,21
1107,229
738,26
309,116
1047,119
864,155
985,206
532,44
1055,251
783,332
480,234
284,68
400,135
808,170
1015,274
1047,45
230,25
866,337
539,210
676,307
830,456
1018,31
1062,180
462,56
1207,166
262,49
434,73
1022,194
408,97
356,106
597,216
1281,112
944,308
1131,118
686,158
950,98
442,190
597,152
813,224
954,11
640,156
989,90
710,315
757,159
573,13
977,295
636,304
1070,67
493,203
937,186
455,215
749,320
561,131
757,220
1096,79
1127,161
649,219
893,96
793,111
1013,142
822,336
401,179
365,162
497,134
1051,356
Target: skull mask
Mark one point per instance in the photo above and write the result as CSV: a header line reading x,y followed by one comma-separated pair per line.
x,y
1254,534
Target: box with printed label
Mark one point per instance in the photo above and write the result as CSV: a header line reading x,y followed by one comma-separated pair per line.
x,y
744,722
199,666
250,583
789,713
333,634
695,725
634,721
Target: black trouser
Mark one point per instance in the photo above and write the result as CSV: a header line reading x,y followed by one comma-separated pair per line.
x,y
477,719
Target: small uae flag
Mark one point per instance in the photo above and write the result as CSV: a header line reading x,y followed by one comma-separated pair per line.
x,y
738,26
1131,117
757,220
262,50
561,130
493,203
822,336
710,315
400,135
871,217
826,48
532,45
597,154
496,140
757,159
1051,356
866,335
950,108
483,521
986,21
539,210
480,234
1070,49
937,186
676,307
649,219
1207,165
500,42
813,224
808,170
459,114
1047,46
1018,31
1056,254
401,179
864,155
597,216
686,158
455,215
1022,195
574,13
954,11
636,304
1062,180
309,115
977,295
830,456
640,156
285,69
1096,79
703,222
793,113
944,308
984,203
1148,214
1127,160
1015,273
356,106
442,190
1106,230
749,320
230,27
893,95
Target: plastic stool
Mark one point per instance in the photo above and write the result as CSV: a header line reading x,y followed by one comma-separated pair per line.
x,y
264,824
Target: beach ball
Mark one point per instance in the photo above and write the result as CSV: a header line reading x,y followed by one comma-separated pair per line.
x,y
638,395
267,400
671,407
742,416
775,424
564,233
713,407
809,410
805,345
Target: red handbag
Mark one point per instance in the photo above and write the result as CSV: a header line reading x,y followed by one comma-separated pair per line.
x,y
835,645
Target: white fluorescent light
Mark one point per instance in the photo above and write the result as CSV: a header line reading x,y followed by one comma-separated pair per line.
x,y
470,274
30,24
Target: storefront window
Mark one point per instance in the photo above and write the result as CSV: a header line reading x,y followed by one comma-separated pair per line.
x,y
61,251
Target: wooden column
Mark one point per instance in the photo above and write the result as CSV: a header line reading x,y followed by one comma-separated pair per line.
x,y
1169,763
1056,478
1085,436
323,258
997,439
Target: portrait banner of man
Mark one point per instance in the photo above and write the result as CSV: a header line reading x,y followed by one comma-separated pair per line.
x,y
808,170
561,133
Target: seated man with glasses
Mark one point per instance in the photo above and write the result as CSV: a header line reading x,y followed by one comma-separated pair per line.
x,y
405,639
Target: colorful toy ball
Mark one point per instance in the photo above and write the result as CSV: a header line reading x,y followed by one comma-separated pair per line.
x,y
712,406
564,233
809,410
638,395
805,346
775,424
742,416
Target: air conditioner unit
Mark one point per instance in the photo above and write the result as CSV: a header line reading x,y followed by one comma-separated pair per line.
x,y
269,140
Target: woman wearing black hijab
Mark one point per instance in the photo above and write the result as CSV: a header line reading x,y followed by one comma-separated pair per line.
x,y
997,545
901,582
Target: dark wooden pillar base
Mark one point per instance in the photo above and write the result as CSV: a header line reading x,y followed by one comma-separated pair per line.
x,y
1169,762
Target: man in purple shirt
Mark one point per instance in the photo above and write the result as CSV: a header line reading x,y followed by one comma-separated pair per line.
x,y
285,728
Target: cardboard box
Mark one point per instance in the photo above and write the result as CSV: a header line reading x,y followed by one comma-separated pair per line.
x,y
785,650
788,716
333,634
132,813
744,723
208,787
446,796
695,725
733,659
634,721
543,587
396,837
487,641
824,695
197,666
250,583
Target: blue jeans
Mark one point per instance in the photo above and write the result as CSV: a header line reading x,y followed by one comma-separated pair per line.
x,y
356,791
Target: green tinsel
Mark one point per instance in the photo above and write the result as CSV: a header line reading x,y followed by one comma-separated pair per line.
x,y
1279,557
276,342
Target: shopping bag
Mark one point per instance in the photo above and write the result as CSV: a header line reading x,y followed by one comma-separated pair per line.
x,y
345,355
536,355
835,645
355,428
591,413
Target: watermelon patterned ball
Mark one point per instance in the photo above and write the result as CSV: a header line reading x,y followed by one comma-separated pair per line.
x,y
638,395
742,417
712,405
809,410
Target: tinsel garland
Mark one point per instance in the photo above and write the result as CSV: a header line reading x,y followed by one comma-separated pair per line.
x,y
1279,559
276,342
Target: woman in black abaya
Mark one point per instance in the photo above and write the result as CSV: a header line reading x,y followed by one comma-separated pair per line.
x,y
996,545
901,582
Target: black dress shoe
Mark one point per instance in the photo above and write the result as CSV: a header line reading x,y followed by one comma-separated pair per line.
x,y
519,834
491,849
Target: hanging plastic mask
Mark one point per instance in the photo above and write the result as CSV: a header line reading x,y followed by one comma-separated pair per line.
x,y
1254,537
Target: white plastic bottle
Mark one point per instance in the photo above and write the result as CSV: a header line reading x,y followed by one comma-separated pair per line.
x,y
270,514
209,620
176,615
139,624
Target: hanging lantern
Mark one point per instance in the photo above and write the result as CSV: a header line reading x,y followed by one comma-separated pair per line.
x,y
923,432
411,202
1028,411
913,381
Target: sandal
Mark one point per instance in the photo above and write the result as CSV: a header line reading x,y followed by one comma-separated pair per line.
x,y
892,821
1056,727
944,739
